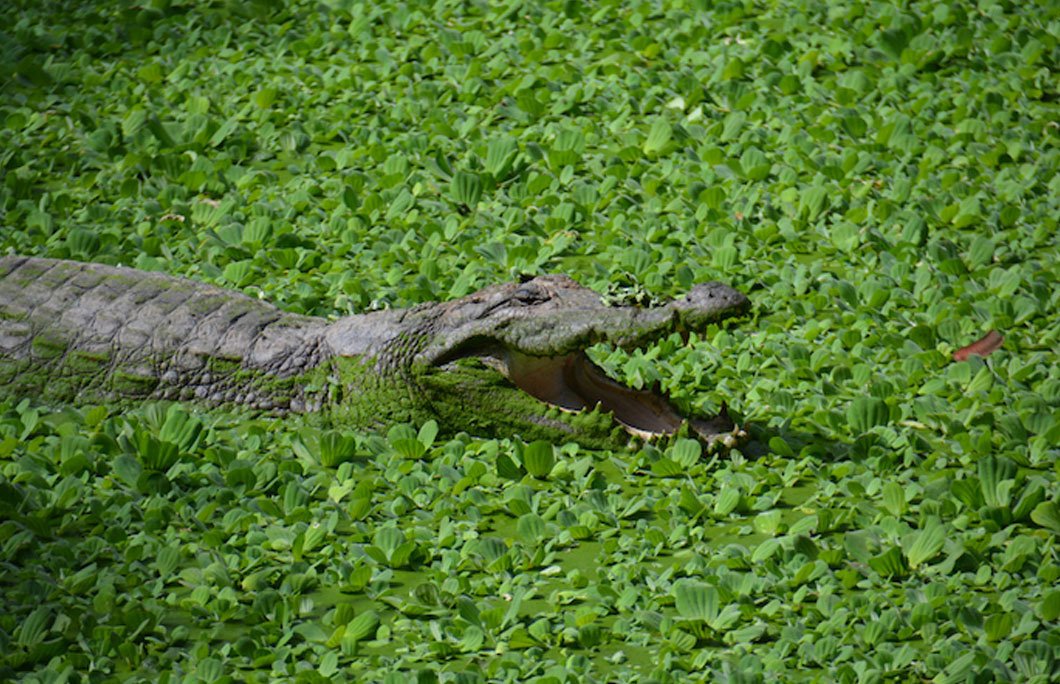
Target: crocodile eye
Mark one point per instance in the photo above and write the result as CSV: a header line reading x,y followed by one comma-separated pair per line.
x,y
530,293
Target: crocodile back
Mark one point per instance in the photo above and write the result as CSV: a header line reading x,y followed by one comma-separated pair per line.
x,y
77,325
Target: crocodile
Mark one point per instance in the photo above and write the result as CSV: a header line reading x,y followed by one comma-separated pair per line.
x,y
507,360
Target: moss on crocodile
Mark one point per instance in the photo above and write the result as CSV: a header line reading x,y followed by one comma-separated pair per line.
x,y
47,347
88,363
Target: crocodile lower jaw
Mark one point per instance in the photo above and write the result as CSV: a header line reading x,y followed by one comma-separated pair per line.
x,y
574,383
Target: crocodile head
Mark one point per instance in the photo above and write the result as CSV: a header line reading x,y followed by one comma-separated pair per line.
x,y
510,359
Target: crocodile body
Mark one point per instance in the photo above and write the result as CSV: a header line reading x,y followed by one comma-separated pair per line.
x,y
506,360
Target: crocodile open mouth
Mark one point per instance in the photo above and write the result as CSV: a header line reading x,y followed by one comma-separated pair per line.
x,y
574,383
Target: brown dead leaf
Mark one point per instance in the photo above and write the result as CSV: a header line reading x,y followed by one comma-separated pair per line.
x,y
983,346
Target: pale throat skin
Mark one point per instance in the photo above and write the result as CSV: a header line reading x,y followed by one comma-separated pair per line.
x,y
507,360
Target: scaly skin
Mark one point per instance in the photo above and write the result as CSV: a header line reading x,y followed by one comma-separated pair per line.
x,y
88,333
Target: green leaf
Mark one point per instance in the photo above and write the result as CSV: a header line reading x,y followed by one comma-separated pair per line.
x,y
155,454
765,550
336,448
402,554
410,448
492,548
540,629
734,121
658,136
998,626
33,628
468,610
265,97
865,413
500,155
514,606
566,150
363,626
695,600
891,563
726,502
1032,495
427,432
210,669
30,68
226,129
713,197
388,539
812,202
507,469
466,189
538,458
780,447
925,544
530,527
133,122
168,558
725,257
996,476
29,417
1049,606
400,205
1047,515
686,452
150,73
682,640
981,252
854,125
570,139
181,428
894,498
360,507
698,601
128,469
768,522
590,635
958,670
239,273
983,380
329,664
665,467
690,503
969,492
